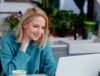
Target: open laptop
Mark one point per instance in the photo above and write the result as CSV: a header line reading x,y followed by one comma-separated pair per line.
x,y
80,65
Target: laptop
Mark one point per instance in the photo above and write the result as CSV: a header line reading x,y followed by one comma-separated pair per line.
x,y
80,65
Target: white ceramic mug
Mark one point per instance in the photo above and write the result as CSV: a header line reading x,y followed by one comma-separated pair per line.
x,y
18,73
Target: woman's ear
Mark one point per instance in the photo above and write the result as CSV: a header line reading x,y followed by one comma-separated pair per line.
x,y
25,26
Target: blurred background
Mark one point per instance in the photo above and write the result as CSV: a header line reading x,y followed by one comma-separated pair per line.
x,y
75,19
71,23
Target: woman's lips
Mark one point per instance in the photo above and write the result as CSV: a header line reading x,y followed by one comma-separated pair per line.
x,y
36,35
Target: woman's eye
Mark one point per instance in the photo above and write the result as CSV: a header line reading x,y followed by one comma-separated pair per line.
x,y
35,26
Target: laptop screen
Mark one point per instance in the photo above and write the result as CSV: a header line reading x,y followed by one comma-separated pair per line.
x,y
81,65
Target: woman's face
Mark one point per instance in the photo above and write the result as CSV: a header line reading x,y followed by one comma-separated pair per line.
x,y
35,29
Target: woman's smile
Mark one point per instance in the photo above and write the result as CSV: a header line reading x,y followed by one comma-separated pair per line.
x,y
36,35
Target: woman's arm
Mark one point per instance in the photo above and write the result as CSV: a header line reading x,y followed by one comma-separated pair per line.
x,y
9,60
49,63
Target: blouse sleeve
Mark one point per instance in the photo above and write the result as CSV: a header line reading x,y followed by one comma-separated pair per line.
x,y
8,60
49,62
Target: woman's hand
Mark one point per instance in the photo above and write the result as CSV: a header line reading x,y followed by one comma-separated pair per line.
x,y
25,42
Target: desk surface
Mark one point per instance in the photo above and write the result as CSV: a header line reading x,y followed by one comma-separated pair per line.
x,y
37,75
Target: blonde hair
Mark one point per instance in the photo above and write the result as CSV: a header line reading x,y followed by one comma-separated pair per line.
x,y
27,18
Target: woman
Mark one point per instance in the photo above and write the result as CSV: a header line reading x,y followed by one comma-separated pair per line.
x,y
27,48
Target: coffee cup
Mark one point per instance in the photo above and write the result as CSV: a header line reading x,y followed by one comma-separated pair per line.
x,y
18,73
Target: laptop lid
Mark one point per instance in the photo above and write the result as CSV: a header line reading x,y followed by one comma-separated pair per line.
x,y
81,65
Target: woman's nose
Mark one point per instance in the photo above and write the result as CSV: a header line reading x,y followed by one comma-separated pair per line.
x,y
39,30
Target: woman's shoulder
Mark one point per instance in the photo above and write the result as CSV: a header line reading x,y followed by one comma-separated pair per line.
x,y
47,44
8,36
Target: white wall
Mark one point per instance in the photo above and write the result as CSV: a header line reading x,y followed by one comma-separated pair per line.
x,y
97,15
13,7
70,5
97,10
13,0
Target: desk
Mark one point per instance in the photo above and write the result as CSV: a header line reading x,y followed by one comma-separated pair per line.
x,y
59,48
37,75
